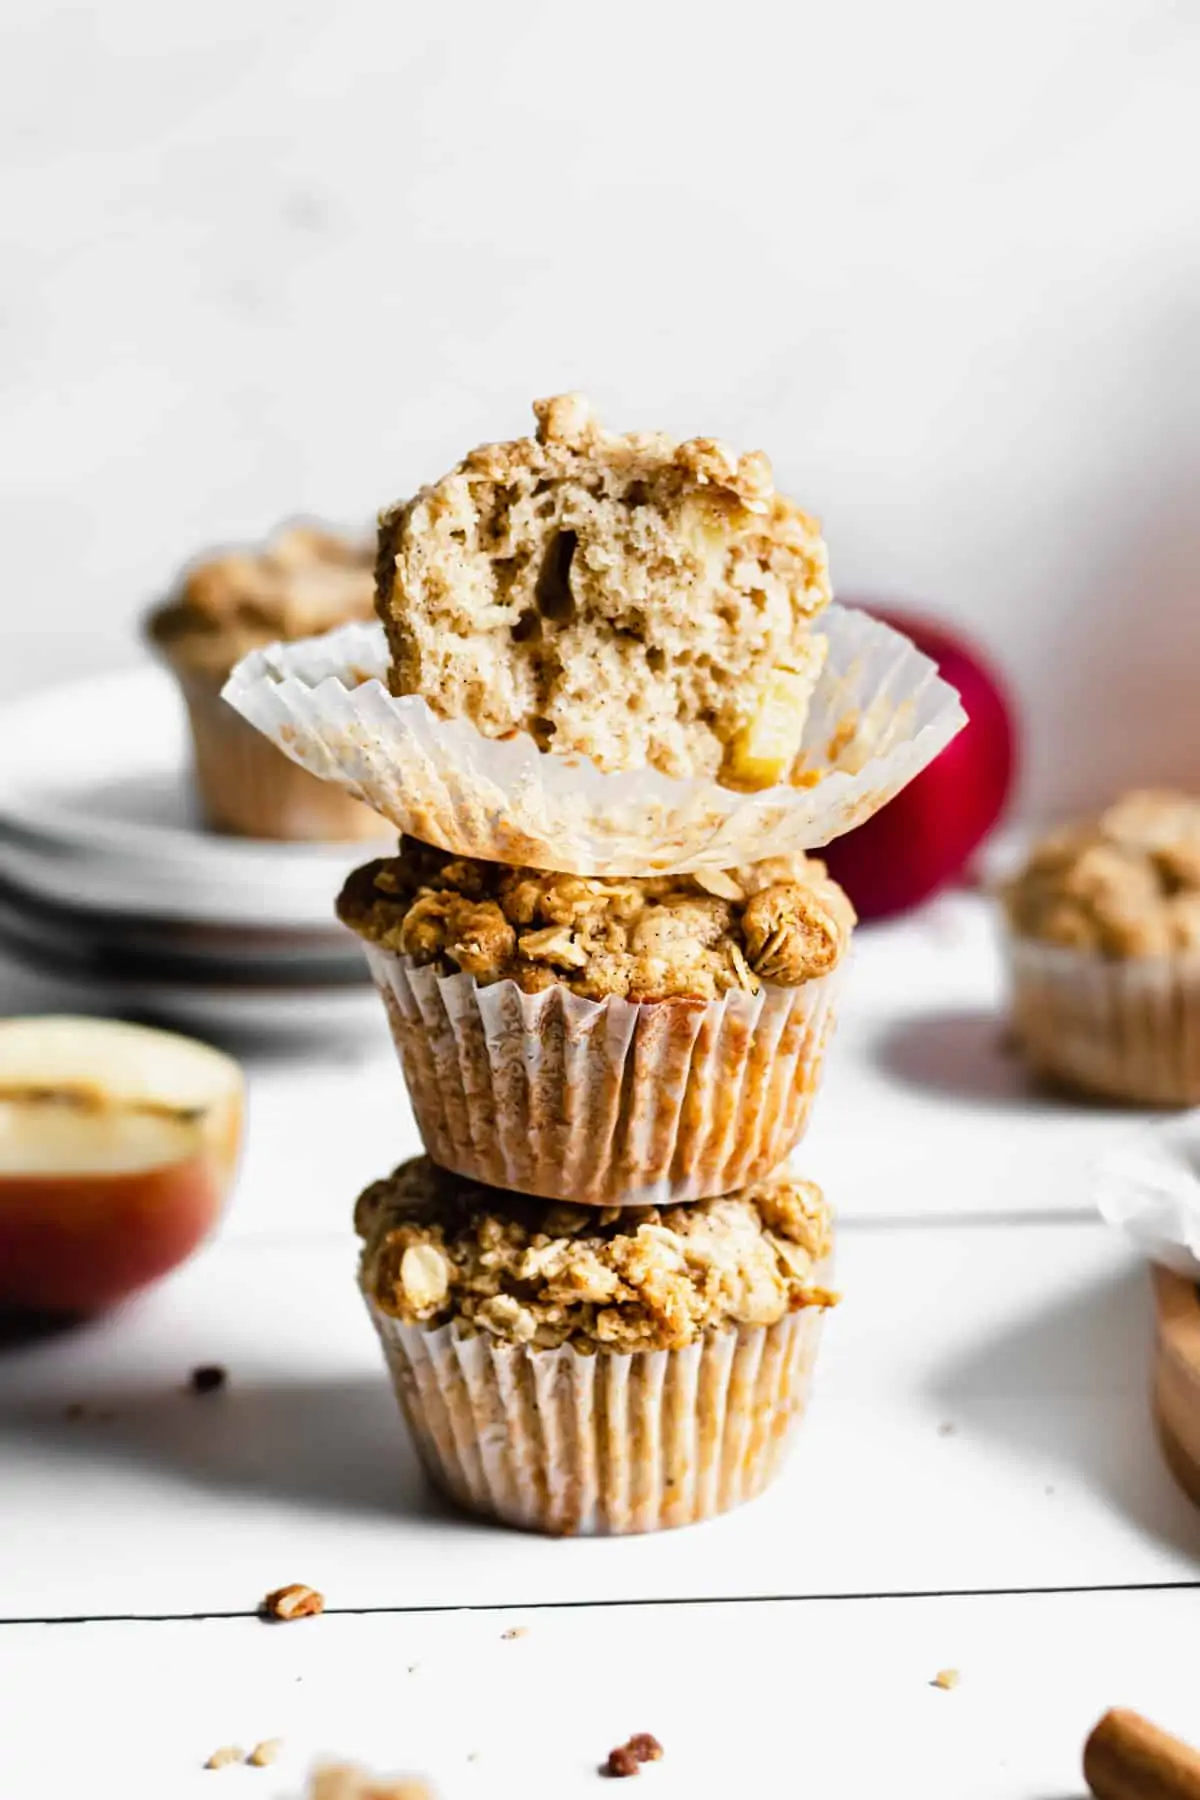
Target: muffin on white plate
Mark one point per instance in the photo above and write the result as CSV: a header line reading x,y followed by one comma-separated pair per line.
x,y
610,1042
304,580
1103,944
572,1370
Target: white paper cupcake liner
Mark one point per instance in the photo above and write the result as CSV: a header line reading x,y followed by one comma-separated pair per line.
x,y
248,789
560,1442
1123,1030
880,713
1148,1187
605,1103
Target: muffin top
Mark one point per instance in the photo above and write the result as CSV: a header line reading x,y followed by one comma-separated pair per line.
x,y
627,598
436,1248
303,581
1126,884
662,937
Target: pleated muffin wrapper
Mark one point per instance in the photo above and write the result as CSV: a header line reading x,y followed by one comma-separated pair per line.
x,y
248,789
606,1444
879,714
609,1102
1125,1029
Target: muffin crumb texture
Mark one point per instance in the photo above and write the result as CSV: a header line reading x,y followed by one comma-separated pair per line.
x,y
782,921
627,598
619,1278
1126,884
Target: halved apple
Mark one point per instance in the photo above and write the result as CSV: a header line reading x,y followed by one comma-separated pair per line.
x,y
117,1148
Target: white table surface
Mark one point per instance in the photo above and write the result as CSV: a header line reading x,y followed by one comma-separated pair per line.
x,y
977,1485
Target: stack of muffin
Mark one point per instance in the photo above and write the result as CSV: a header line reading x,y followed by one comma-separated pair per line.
x,y
599,1295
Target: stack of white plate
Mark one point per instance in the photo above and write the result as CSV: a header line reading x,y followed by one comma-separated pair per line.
x,y
110,885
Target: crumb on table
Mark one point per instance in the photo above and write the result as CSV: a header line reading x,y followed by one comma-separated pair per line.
x,y
296,1601
627,1758
265,1753
946,1678
516,1631
226,1756
207,1378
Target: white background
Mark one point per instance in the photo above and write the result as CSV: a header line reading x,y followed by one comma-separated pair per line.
x,y
939,259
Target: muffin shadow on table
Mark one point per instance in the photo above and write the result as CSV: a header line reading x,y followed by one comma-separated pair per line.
x,y
327,1445
1101,1329
970,1053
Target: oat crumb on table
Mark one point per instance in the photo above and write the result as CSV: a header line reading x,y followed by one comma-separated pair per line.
x,y
516,1631
265,1753
627,1758
226,1756
946,1678
296,1601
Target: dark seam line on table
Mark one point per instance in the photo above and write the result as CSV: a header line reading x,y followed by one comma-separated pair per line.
x,y
498,1606
952,1221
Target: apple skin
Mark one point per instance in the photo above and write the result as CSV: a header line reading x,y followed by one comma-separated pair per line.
x,y
118,1147
81,1242
925,837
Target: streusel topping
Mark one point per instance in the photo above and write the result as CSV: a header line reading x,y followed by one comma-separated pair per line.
x,y
436,1248
674,936
1126,884
303,581
627,598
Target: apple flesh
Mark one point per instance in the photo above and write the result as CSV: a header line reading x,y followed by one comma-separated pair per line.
x,y
924,838
118,1146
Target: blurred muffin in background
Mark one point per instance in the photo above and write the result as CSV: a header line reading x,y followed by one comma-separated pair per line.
x,y
305,580
1104,952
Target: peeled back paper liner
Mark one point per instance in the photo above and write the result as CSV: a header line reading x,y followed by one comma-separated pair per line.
x,y
565,1443
609,1102
879,714
1126,1029
1148,1186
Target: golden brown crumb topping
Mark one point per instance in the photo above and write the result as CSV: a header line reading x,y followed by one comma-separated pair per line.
x,y
1126,884
303,581
672,936
436,1248
623,597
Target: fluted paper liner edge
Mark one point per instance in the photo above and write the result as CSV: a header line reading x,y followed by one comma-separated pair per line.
x,y
879,714
566,1443
605,1103
1124,1029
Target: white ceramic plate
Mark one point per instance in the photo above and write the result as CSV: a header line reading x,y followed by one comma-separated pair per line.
x,y
222,1003
96,808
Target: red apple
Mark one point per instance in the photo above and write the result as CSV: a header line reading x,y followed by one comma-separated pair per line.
x,y
927,834
117,1149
